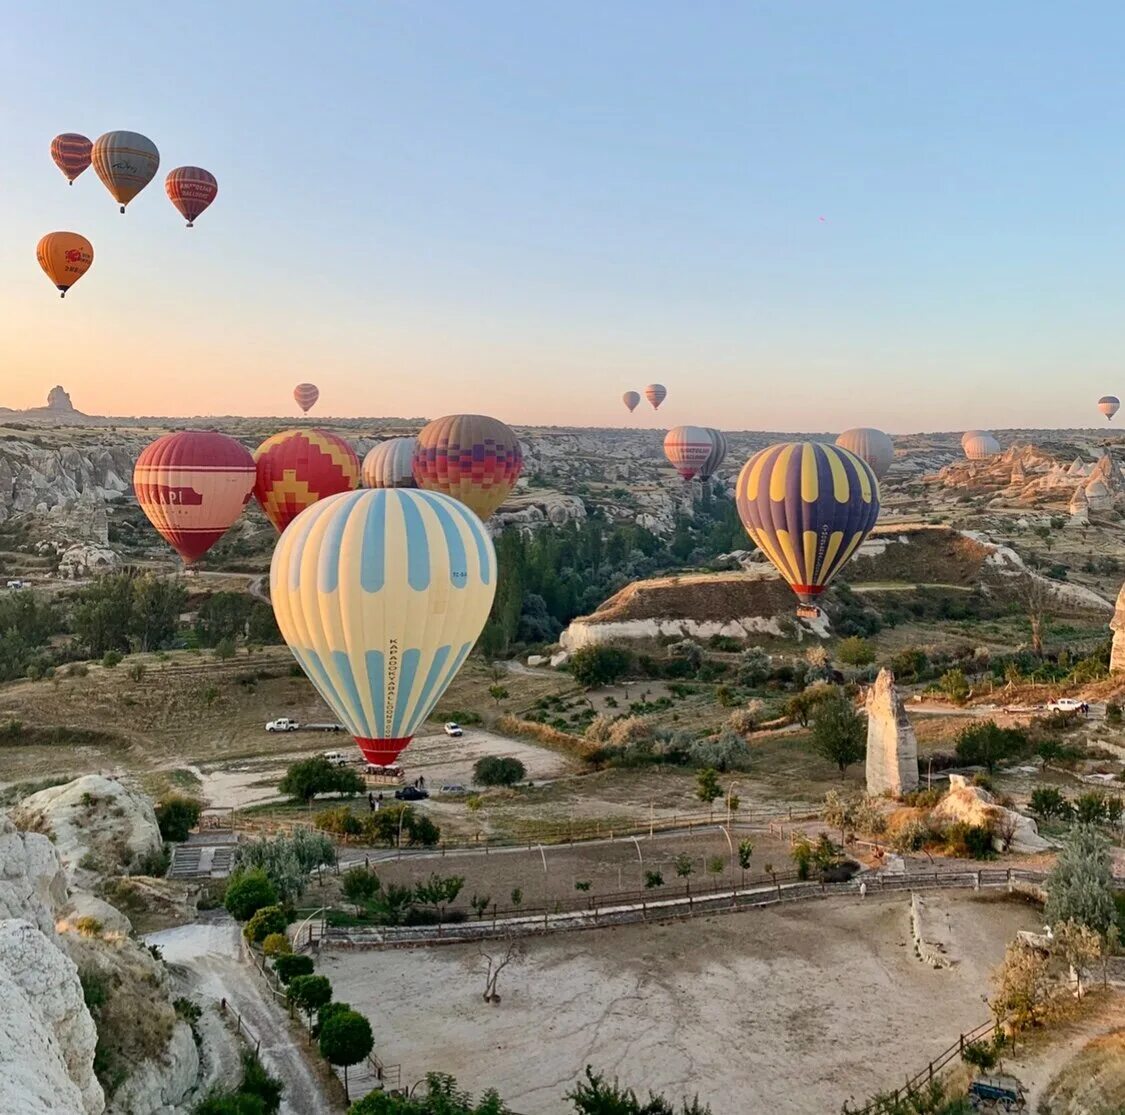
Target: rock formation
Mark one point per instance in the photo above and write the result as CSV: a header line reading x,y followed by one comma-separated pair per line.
x,y
1117,626
58,399
976,806
892,749
1079,508
32,881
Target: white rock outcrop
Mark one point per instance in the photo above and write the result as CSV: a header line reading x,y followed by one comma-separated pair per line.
x,y
892,747
32,880
47,1037
976,806
1117,626
93,817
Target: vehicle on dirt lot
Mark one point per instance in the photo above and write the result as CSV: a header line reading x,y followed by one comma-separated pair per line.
x,y
1064,704
452,728
326,727
412,793
336,758
454,788
282,724
997,1093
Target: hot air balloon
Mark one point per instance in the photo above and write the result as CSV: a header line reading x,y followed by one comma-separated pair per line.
x,y
191,189
298,467
306,395
981,446
71,153
807,506
718,453
192,486
471,457
872,445
656,393
390,464
65,257
1109,405
631,399
688,449
970,434
381,596
125,162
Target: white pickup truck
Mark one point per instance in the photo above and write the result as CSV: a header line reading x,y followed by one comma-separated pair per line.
x,y
282,724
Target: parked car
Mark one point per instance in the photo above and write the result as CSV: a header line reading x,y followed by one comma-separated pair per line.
x,y
411,793
452,728
325,727
454,788
282,724
1064,704
336,758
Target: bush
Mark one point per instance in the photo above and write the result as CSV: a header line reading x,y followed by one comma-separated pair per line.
x,y
136,671
275,944
1112,712
359,885
340,820
265,922
111,658
292,964
1047,801
177,815
599,665
725,753
969,841
247,892
954,685
498,770
304,780
985,743
855,651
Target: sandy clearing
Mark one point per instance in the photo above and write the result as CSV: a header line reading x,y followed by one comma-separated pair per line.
x,y
775,1011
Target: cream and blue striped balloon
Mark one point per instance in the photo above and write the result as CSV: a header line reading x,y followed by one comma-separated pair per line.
x,y
381,595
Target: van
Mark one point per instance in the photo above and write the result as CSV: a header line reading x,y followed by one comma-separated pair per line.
x,y
336,758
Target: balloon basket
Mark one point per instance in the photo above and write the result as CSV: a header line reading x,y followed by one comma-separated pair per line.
x,y
808,611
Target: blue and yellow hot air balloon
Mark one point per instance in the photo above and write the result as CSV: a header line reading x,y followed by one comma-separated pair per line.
x,y
807,506
381,595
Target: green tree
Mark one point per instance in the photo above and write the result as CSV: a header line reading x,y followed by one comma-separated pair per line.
x,y
309,777
442,1097
345,1039
439,891
684,867
265,921
289,966
1048,801
745,851
954,685
1080,948
157,605
359,885
498,693
1080,886
498,770
177,815
839,732
276,944
985,743
595,666
224,649
247,892
309,994
707,787
855,651
653,879
222,615
596,1096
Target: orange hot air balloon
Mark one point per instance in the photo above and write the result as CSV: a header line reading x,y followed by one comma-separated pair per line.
x,y
471,457
126,162
192,486
306,395
65,257
191,189
298,467
71,153
656,393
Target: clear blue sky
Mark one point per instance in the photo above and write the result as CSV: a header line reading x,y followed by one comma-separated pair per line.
x,y
527,208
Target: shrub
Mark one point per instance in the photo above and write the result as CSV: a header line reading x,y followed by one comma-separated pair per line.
x,y
290,965
136,671
498,770
1047,801
599,665
340,820
855,651
985,743
969,841
1112,712
954,685
247,892
177,815
753,666
725,753
275,944
359,885
266,921
111,658
77,670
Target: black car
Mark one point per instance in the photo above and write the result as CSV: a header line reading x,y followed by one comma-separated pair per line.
x,y
411,793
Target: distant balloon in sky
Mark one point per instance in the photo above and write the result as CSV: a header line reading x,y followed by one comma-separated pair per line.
x,y
306,395
471,457
65,257
807,506
981,446
631,399
821,219
871,445
381,596
71,153
718,453
1109,405
192,485
298,467
191,189
688,449
125,162
390,464
656,393
970,434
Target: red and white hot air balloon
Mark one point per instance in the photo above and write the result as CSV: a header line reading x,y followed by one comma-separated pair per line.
x,y
688,448
71,153
656,393
191,189
306,395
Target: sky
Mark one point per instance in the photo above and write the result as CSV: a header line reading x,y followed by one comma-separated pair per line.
x,y
527,209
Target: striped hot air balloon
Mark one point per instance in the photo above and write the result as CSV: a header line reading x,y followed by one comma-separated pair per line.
x,y
717,455
192,486
126,162
872,445
656,393
65,257
471,457
1109,405
390,464
980,446
970,434
191,189
71,153
688,449
297,468
807,506
306,395
381,596
631,399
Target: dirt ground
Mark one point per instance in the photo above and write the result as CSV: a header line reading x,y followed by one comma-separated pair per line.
x,y
773,1012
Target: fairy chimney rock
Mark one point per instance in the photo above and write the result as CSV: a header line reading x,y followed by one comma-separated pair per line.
x,y
1117,625
892,748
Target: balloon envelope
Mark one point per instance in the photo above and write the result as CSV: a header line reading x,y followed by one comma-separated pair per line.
x,y
71,153
298,467
1109,405
390,464
126,162
192,486
688,449
471,457
306,394
656,393
872,445
717,455
807,506
970,434
65,257
631,399
381,596
981,446
190,189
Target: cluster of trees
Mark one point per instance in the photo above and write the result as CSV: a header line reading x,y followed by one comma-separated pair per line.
x,y
234,615
304,780
1092,807
275,871
127,611
395,822
425,903
257,1093
498,770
